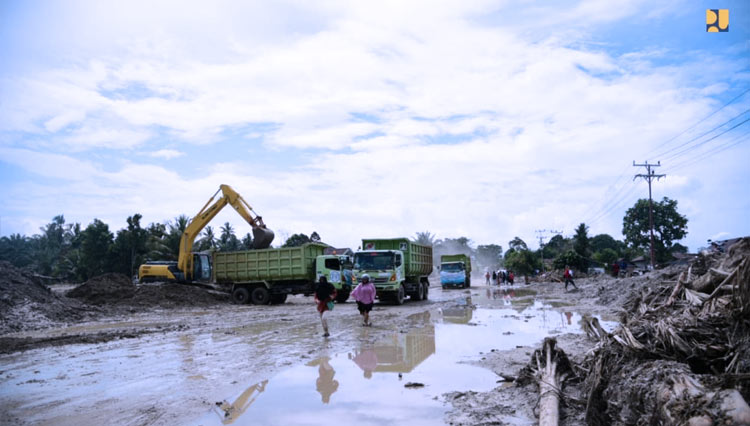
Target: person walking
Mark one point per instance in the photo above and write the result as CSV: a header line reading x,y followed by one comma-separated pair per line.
x,y
364,294
494,277
487,278
568,275
511,277
325,293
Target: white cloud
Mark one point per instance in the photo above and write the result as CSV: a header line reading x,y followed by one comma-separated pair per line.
x,y
423,116
166,154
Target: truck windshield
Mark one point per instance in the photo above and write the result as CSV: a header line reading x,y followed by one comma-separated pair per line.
x,y
452,267
373,260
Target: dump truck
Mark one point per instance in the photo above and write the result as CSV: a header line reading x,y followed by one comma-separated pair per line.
x,y
398,267
269,275
455,270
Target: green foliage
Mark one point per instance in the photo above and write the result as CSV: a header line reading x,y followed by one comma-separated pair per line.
x,y
556,245
208,241
247,242
96,249
17,249
296,240
522,262
669,226
581,246
603,241
605,257
228,241
129,250
572,259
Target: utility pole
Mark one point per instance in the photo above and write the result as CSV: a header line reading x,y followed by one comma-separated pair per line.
x,y
541,235
648,177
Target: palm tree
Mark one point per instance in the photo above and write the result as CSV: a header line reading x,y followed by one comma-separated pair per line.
x,y
209,239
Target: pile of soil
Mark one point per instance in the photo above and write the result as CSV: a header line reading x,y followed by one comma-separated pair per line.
x,y
116,290
27,304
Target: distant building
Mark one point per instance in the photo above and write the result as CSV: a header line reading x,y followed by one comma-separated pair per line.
x,y
338,251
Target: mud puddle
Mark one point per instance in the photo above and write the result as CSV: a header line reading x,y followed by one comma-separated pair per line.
x,y
400,378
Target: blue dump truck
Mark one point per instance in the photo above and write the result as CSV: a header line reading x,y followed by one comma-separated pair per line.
x,y
455,270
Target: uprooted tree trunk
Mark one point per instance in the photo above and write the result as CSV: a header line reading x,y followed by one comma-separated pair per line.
x,y
551,368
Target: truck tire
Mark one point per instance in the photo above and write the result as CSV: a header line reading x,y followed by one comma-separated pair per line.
x,y
260,295
278,299
400,295
426,289
419,294
241,295
468,282
342,296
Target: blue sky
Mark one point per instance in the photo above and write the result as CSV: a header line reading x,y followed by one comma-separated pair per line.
x,y
486,119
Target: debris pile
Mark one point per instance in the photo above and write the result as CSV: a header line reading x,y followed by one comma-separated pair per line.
x,y
116,290
682,355
27,304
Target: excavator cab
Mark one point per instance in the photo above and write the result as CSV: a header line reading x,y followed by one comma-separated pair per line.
x,y
202,267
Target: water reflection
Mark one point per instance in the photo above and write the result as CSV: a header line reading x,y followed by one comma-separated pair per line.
x,y
325,384
400,353
461,312
231,412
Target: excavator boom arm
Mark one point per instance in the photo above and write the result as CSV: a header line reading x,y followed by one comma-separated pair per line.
x,y
262,236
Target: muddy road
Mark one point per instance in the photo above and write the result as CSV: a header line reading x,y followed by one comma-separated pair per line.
x,y
421,363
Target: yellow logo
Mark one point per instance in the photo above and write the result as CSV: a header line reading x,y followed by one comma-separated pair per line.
x,y
717,20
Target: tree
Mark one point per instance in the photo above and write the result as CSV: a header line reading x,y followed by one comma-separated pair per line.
x,y
228,241
604,241
129,250
17,249
247,242
523,262
669,226
208,241
96,247
516,244
296,240
173,237
555,246
606,257
425,238
570,258
52,249
581,245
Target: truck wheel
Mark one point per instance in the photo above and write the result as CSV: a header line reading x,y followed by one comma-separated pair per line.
x,y
399,300
278,299
260,296
240,295
419,295
468,282
426,289
342,296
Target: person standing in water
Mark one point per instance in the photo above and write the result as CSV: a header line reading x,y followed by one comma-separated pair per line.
x,y
325,293
364,294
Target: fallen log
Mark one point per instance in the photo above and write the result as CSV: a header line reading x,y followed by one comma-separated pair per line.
x,y
550,368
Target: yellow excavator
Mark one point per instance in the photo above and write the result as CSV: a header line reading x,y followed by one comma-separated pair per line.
x,y
189,266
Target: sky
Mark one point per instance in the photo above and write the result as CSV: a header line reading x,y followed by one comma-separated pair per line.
x,y
483,119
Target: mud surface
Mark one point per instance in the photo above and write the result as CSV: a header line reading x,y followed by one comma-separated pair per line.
x,y
161,355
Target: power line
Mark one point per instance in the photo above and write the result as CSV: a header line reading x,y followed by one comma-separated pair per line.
x,y
689,148
697,123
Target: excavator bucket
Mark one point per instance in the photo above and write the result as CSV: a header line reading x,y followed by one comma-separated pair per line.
x,y
262,238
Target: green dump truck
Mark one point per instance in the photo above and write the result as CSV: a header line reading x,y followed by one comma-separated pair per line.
x,y
455,270
399,267
270,275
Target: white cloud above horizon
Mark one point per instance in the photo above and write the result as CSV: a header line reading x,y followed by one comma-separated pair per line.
x,y
367,119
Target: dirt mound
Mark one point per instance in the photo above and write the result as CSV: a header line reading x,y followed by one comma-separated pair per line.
x,y
104,289
116,290
27,304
